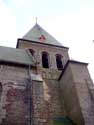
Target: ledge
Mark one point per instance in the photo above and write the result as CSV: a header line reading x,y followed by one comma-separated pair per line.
x,y
39,43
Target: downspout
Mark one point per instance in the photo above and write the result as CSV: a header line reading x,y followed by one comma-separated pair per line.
x,y
30,93
30,104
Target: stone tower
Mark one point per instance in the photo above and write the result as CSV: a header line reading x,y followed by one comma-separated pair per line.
x,y
40,85
50,57
68,89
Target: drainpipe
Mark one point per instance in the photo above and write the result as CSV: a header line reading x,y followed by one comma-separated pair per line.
x,y
29,91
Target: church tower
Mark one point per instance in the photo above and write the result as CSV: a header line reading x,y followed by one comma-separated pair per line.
x,y
47,51
64,82
50,58
40,85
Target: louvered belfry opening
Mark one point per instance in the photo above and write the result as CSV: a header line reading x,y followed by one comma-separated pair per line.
x,y
59,61
45,60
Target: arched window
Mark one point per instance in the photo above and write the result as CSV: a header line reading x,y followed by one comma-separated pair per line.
x,y
59,61
32,52
45,60
0,90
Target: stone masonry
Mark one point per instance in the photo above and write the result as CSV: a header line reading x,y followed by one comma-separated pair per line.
x,y
79,104
13,103
36,95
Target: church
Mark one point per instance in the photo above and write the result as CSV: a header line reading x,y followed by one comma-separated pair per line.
x,y
40,85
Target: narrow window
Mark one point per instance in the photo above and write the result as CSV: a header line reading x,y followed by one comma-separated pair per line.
x,y
45,60
59,62
32,52
0,90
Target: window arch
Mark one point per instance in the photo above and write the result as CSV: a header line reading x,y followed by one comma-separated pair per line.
x,y
0,90
45,60
32,52
59,61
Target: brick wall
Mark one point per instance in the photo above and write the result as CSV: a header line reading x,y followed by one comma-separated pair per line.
x,y
13,103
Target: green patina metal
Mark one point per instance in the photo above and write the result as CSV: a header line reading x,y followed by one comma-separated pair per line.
x,y
13,55
36,32
63,121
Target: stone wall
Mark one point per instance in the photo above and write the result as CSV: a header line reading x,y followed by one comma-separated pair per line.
x,y
77,94
69,97
46,100
13,102
83,84
52,50
51,88
40,115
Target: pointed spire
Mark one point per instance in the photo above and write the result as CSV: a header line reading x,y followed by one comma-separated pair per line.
x,y
38,34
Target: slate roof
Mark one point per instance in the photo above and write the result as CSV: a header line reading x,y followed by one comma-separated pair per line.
x,y
38,34
13,55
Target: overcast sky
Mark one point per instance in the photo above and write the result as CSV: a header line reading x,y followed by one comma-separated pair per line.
x,y
70,21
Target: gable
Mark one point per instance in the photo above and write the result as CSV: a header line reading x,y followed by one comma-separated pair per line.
x,y
38,34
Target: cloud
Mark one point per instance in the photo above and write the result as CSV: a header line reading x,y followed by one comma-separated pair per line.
x,y
20,3
7,26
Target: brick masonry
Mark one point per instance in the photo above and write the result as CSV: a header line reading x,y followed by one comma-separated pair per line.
x,y
13,105
14,97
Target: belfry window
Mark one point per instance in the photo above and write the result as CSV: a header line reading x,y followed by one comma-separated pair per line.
x,y
32,52
59,62
45,60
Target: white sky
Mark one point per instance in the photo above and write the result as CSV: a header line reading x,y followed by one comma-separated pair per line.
x,y
70,21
